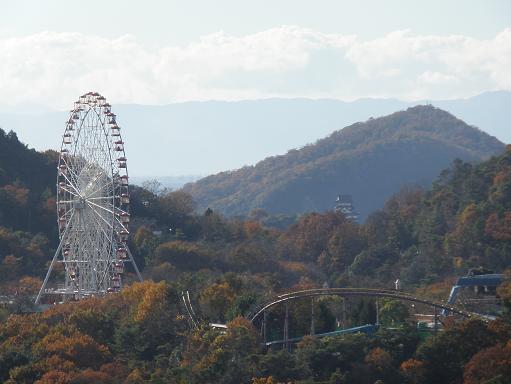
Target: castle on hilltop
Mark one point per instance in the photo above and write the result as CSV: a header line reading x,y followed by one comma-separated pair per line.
x,y
344,204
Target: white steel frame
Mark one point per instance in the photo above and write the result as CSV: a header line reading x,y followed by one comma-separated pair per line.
x,y
92,203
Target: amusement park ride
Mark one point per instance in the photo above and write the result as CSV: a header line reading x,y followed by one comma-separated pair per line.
x,y
92,203
441,309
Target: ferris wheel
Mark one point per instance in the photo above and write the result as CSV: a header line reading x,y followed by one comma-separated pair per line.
x,y
92,203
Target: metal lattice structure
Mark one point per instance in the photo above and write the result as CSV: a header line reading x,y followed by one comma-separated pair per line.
x,y
92,203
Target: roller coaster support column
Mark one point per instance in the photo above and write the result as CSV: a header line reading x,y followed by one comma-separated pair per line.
x,y
436,320
313,328
377,313
265,315
286,329
344,312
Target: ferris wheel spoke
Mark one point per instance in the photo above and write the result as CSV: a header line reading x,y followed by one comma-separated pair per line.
x,y
110,212
99,215
100,207
102,187
106,198
70,183
70,166
67,201
71,192
121,224
97,177
107,236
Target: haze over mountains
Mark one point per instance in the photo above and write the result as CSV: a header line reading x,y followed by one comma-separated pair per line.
x,y
370,160
201,138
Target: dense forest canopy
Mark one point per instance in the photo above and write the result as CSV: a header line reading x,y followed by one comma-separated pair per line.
x,y
425,237
369,160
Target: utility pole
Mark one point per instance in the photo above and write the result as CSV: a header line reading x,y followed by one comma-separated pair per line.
x,y
265,315
436,320
286,328
377,313
343,312
313,328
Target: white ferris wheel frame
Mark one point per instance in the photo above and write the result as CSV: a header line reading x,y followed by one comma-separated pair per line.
x,y
92,203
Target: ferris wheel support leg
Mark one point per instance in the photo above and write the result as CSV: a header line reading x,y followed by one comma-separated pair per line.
x,y
48,273
134,265
59,248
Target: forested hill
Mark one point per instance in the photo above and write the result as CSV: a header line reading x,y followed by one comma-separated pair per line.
x,y
369,160
27,184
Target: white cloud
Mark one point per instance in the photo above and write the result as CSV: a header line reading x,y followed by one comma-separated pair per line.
x,y
436,78
54,68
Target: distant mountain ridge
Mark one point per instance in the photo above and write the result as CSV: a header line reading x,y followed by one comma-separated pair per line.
x,y
201,138
369,160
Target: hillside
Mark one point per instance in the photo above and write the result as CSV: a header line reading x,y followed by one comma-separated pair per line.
x,y
27,180
369,160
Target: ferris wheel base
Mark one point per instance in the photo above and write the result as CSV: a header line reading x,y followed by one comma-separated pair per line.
x,y
72,294
75,295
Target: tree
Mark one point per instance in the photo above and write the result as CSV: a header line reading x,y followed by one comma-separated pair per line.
x,y
216,299
55,377
445,355
183,255
393,312
490,365
413,371
223,358
175,208
382,365
81,349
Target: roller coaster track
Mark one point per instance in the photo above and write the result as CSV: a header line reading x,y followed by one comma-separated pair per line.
x,y
185,296
346,292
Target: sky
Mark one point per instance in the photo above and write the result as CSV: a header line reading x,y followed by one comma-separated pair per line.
x,y
160,52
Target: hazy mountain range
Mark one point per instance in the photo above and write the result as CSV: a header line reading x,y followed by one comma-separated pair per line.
x,y
370,160
200,138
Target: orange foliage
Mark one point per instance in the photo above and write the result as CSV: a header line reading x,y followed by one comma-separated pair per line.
x,y
252,228
504,291
10,260
115,370
413,370
502,176
54,377
54,361
81,349
294,266
264,380
488,364
438,290
379,359
148,299
18,193
29,285
497,228
217,298
135,377
92,377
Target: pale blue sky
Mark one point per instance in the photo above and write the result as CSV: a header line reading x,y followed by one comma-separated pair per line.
x,y
158,52
177,22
